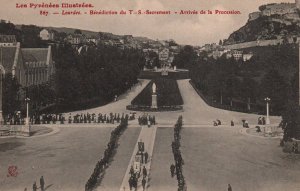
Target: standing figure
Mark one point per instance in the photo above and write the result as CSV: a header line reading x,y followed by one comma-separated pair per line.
x,y
172,169
144,183
42,183
34,187
144,172
229,187
146,157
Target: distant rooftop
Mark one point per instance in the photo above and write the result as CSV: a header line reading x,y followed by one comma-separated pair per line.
x,y
8,39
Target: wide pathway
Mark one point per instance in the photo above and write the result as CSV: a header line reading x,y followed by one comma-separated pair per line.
x,y
118,106
147,135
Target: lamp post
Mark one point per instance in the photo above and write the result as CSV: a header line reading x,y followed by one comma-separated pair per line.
x,y
1,97
27,111
268,117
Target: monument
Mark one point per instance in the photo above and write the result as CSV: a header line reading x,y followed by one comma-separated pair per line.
x,y
154,97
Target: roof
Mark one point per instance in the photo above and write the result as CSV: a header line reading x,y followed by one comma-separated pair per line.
x,y
35,54
8,39
7,56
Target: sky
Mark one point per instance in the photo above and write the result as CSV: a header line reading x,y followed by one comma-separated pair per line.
x,y
184,29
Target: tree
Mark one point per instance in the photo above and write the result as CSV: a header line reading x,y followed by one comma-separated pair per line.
x,y
220,42
274,86
291,122
77,31
11,89
186,58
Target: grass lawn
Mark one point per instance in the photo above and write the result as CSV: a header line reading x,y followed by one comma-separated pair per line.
x,y
167,94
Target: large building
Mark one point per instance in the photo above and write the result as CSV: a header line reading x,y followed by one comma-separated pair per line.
x,y
276,9
47,34
30,66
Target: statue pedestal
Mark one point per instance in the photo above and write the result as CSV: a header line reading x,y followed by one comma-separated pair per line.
x,y
25,130
154,101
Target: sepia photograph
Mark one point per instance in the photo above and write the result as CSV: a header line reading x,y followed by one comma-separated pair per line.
x,y
149,95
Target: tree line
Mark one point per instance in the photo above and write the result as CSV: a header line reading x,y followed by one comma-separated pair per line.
x,y
243,86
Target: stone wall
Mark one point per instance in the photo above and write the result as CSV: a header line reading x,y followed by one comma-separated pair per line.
x,y
254,44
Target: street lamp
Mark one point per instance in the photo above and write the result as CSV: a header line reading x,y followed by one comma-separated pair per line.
x,y
268,118
27,111
1,96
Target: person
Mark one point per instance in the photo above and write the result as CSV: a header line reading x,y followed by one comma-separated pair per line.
x,y
215,123
144,183
232,123
146,157
130,182
263,120
296,148
172,169
131,170
229,187
34,187
246,124
144,171
142,157
42,183
259,122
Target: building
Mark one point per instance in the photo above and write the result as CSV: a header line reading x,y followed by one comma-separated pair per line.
x,y
254,15
30,66
47,34
8,40
163,55
247,56
279,9
219,52
76,39
11,62
38,65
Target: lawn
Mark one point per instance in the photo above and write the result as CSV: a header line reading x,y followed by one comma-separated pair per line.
x,y
167,94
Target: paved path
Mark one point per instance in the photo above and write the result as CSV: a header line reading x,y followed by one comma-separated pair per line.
x,y
118,106
147,135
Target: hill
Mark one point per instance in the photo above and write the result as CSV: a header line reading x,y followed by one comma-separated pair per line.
x,y
265,28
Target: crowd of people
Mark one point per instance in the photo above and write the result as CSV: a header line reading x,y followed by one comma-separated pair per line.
x,y
100,118
142,159
177,168
109,152
112,118
146,119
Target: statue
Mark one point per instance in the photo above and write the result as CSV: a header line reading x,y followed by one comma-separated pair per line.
x,y
154,88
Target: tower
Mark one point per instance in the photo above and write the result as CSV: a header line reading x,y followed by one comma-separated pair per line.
x,y
297,4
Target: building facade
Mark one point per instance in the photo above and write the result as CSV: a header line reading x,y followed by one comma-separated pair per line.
x,y
30,66
46,34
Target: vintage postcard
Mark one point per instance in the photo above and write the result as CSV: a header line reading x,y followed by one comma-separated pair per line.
x,y
156,95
